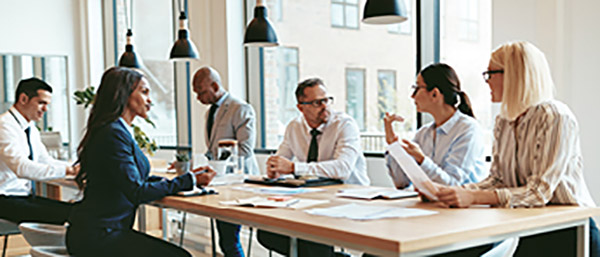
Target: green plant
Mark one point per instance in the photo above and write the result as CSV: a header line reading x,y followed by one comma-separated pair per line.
x,y
86,98
182,157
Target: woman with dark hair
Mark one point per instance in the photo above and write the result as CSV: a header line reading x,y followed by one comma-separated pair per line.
x,y
450,150
114,175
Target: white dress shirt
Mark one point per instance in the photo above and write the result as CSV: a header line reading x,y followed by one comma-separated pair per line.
x,y
537,160
15,167
340,152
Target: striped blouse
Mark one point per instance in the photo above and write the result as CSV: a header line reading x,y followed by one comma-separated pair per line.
x,y
537,160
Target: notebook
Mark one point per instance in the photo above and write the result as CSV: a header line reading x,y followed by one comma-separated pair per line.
x,y
297,181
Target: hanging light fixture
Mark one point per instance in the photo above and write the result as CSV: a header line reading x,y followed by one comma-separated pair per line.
x,y
260,32
184,48
384,12
129,58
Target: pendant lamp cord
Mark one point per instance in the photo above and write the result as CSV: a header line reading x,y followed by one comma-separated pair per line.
x,y
128,14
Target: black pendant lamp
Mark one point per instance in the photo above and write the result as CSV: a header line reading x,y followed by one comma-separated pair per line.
x,y
260,32
129,58
184,48
384,12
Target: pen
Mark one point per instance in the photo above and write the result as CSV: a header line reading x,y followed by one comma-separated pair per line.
x,y
292,202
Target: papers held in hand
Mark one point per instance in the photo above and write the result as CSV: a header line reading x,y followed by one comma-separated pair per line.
x,y
413,171
375,193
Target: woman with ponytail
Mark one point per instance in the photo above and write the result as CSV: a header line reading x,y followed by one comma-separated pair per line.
x,y
450,150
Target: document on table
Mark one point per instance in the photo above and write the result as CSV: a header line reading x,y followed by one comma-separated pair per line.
x,y
277,190
258,201
375,193
369,212
413,171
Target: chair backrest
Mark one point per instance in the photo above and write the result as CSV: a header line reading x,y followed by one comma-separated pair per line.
x,y
53,143
8,228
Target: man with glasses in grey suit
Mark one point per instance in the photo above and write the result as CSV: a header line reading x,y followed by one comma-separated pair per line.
x,y
227,118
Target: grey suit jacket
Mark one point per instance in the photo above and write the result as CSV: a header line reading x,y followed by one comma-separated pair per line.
x,y
235,119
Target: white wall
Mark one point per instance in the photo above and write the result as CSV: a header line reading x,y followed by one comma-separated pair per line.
x,y
567,31
57,27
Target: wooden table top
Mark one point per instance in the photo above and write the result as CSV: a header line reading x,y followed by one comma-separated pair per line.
x,y
397,235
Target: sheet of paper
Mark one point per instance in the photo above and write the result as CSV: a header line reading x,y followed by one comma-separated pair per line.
x,y
258,201
412,170
227,179
277,190
368,212
371,193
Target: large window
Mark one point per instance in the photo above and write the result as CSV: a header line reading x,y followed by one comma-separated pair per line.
x,y
468,24
344,13
320,50
355,95
281,78
153,30
386,61
470,57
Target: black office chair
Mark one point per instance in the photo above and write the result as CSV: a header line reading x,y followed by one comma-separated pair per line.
x,y
7,228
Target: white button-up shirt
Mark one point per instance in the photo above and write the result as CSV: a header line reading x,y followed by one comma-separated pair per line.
x,y
340,152
16,169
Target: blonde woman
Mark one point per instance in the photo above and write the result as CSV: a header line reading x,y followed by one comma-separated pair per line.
x,y
537,158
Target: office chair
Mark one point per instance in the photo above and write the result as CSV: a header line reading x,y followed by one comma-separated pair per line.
x,y
7,228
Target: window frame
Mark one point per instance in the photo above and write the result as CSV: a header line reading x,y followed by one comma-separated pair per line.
x,y
345,4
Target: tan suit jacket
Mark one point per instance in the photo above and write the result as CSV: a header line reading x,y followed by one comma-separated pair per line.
x,y
235,119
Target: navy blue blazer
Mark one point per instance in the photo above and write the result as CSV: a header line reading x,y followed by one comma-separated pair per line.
x,y
118,181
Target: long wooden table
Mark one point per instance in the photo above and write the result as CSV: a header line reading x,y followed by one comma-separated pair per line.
x,y
449,230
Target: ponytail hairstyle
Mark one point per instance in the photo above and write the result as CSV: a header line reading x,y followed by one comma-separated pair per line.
x,y
444,78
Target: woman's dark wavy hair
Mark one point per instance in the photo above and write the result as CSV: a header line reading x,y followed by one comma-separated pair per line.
x,y
444,78
111,99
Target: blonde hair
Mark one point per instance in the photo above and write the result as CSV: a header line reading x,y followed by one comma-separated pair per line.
x,y
527,78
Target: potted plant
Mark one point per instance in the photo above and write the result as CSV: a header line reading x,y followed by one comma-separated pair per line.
x,y
182,163
86,98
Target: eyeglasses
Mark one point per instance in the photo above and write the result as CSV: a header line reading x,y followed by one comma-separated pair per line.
x,y
416,88
318,102
488,74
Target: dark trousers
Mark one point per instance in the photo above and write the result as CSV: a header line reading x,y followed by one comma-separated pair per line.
x,y
102,242
33,209
229,239
281,244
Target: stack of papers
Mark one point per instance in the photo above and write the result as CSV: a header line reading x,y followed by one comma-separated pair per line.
x,y
375,193
368,212
278,190
257,201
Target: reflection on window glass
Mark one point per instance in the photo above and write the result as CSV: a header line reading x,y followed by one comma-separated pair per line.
x,y
386,91
355,90
470,57
355,95
55,74
153,37
281,79
344,13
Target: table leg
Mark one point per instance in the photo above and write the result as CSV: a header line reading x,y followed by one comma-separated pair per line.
x,y
583,239
293,247
142,218
165,224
